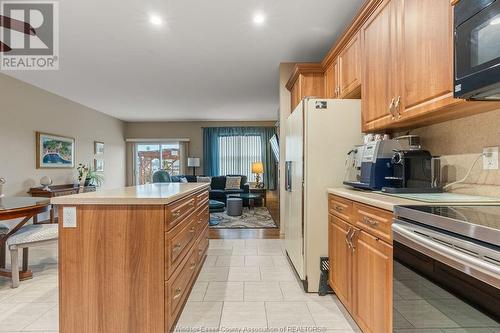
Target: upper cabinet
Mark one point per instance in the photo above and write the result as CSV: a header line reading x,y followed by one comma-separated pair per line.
x,y
332,89
378,67
350,69
397,56
307,80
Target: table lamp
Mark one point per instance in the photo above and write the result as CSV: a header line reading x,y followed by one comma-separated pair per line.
x,y
258,169
194,162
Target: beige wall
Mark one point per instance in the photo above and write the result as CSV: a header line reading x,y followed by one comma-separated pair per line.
x,y
25,109
192,130
285,110
459,142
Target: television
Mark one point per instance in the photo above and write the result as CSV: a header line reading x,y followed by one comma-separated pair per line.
x,y
275,147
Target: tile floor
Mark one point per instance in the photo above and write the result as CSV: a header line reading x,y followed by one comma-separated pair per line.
x,y
249,284
244,284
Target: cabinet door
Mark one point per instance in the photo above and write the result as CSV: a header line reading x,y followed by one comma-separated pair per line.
x,y
350,69
372,286
378,67
295,95
425,46
340,260
331,81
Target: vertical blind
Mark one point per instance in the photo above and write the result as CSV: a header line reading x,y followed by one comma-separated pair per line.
x,y
237,153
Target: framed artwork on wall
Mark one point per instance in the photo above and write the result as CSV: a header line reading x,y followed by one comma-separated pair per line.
x,y
54,151
99,156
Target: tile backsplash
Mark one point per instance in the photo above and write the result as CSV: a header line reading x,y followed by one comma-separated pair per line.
x,y
459,142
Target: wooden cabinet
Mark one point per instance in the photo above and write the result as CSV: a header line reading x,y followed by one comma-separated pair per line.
x,y
361,255
350,69
138,262
307,80
340,260
332,81
372,284
378,67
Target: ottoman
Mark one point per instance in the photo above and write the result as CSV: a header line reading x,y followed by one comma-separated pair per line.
x,y
234,206
215,206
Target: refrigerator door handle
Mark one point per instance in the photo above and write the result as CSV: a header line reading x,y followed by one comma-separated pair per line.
x,y
288,176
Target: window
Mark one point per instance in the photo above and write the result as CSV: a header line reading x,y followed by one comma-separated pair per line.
x,y
237,153
151,157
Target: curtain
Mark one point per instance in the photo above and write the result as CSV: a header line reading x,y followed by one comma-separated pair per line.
x,y
211,150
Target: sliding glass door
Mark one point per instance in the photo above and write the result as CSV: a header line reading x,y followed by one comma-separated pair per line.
x,y
151,157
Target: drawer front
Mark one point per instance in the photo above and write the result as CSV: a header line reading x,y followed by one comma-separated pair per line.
x,y
179,240
179,210
340,207
374,221
178,287
202,198
202,244
202,218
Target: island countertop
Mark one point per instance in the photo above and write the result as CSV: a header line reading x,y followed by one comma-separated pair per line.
x,y
150,194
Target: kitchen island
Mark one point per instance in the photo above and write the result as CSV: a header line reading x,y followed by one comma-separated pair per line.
x,y
129,257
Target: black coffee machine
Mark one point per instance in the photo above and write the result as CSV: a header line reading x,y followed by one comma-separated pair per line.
x,y
414,171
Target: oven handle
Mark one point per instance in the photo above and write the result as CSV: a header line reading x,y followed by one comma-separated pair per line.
x,y
482,270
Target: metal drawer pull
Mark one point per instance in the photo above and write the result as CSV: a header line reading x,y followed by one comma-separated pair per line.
x,y
191,204
177,292
350,240
192,230
369,221
177,213
347,237
339,209
193,265
177,247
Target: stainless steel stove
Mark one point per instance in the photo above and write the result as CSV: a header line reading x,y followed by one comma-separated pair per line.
x,y
456,250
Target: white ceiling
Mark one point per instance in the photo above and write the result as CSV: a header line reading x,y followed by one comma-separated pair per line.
x,y
208,61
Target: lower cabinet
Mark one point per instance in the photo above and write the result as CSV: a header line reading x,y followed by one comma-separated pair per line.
x,y
361,270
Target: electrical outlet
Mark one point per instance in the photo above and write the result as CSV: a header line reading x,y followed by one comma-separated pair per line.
x,y
490,158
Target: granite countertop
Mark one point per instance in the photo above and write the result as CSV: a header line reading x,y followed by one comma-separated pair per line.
x,y
378,200
388,202
150,194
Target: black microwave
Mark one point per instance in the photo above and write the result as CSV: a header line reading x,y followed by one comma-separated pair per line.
x,y
477,49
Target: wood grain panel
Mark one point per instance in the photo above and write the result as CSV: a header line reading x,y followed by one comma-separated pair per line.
x,y
111,271
340,207
350,69
378,50
373,284
331,81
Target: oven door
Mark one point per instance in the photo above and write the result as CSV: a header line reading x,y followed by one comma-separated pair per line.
x,y
480,262
477,49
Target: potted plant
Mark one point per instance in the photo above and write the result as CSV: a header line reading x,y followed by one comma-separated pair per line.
x,y
87,176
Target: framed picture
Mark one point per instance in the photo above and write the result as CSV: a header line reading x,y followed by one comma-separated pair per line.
x,y
54,151
99,165
98,147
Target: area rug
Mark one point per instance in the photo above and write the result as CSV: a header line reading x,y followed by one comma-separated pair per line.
x,y
256,218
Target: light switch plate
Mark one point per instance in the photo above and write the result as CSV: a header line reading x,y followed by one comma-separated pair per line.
x,y
69,217
490,158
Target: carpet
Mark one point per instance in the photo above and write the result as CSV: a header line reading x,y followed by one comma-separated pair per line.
x,y
257,218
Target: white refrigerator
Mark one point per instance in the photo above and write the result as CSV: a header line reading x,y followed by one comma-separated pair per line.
x,y
319,134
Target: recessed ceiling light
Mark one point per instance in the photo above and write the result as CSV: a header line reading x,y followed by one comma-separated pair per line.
x,y
259,19
155,20
495,21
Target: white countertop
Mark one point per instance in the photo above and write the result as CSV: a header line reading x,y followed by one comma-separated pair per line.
x,y
150,194
388,202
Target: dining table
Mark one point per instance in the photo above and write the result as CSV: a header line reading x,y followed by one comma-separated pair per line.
x,y
18,210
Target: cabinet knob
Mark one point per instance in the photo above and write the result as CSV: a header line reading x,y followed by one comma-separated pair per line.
x,y
177,292
177,213
339,209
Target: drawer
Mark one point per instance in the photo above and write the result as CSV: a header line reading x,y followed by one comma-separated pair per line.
x,y
202,218
202,244
178,243
201,198
178,287
376,222
179,210
340,207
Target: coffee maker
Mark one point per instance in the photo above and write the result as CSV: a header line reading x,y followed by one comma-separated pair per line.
x,y
414,170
